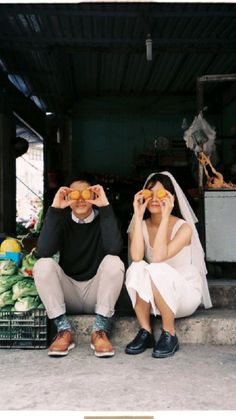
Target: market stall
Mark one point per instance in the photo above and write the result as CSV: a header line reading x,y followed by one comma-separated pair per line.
x,y
217,196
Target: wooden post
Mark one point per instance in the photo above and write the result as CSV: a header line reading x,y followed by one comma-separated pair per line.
x,y
7,175
200,104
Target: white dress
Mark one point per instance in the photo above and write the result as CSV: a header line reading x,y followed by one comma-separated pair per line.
x,y
177,280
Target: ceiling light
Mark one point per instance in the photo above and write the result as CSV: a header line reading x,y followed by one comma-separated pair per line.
x,y
148,43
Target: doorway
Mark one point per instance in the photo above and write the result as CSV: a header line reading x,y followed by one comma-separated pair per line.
x,y
29,180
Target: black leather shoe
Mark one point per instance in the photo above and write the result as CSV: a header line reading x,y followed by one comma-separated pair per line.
x,y
166,345
140,343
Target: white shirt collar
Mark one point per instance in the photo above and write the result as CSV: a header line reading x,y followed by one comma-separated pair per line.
x,y
86,220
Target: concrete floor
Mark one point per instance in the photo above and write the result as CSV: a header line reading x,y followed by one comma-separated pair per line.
x,y
198,377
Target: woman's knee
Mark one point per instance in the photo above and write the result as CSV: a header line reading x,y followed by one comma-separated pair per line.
x,y
136,269
137,274
137,266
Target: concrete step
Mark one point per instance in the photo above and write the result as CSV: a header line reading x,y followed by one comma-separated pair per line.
x,y
213,326
223,292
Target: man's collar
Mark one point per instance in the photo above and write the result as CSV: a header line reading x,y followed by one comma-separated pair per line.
x,y
86,220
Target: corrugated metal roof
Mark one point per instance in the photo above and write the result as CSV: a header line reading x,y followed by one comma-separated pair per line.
x,y
63,51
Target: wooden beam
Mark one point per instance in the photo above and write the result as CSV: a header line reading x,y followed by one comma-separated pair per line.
x,y
120,11
54,41
200,48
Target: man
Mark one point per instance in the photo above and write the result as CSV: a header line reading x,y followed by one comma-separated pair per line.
x,y
89,276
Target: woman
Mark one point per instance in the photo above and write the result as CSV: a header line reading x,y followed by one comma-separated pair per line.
x,y
168,274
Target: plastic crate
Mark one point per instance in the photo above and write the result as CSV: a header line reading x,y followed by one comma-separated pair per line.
x,y
24,329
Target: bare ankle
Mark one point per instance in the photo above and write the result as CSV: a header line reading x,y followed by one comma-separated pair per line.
x,y
169,330
148,328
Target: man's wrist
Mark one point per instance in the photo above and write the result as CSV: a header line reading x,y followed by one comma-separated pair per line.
x,y
105,203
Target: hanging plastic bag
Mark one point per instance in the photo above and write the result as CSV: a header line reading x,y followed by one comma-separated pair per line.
x,y
200,136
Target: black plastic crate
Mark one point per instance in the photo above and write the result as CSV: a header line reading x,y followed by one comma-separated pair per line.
x,y
24,329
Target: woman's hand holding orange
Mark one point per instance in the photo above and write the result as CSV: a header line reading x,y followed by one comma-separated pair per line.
x,y
167,205
140,204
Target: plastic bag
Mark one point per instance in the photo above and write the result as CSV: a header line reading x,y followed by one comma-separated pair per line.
x,y
200,136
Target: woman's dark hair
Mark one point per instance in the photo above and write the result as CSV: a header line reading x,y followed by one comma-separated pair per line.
x,y
168,185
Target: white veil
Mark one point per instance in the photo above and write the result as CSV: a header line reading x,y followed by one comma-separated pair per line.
x,y
197,250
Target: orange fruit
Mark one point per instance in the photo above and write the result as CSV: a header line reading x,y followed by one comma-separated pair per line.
x,y
74,195
146,193
86,194
161,193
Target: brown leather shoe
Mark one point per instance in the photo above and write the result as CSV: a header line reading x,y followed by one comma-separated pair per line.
x,y
101,345
62,344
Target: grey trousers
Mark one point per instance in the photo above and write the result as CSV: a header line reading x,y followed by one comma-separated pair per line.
x,y
61,294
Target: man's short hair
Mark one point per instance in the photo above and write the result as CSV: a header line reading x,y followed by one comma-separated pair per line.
x,y
80,177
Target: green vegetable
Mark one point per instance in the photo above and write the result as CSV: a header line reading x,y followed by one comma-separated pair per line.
x,y
7,308
56,257
6,282
29,260
7,267
6,299
39,221
24,288
28,263
27,303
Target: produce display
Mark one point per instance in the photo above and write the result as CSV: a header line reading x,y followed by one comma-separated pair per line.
x,y
28,264
7,281
6,299
28,303
17,288
7,267
24,288
23,319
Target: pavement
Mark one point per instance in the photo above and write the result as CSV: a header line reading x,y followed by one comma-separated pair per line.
x,y
201,377
197,377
